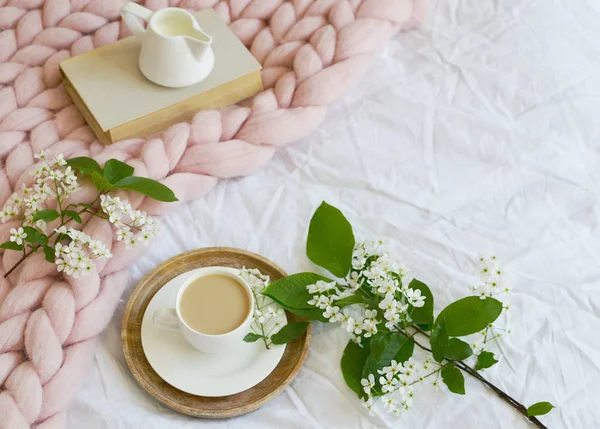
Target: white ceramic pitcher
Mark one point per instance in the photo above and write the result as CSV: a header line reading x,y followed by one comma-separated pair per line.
x,y
175,51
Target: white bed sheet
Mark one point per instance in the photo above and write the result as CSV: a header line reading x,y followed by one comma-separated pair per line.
x,y
477,134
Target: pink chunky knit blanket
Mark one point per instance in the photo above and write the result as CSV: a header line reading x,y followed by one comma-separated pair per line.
x,y
312,51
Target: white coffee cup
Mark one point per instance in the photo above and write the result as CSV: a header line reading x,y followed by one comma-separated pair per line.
x,y
170,318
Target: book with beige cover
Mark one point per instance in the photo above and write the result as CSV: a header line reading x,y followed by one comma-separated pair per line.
x,y
118,102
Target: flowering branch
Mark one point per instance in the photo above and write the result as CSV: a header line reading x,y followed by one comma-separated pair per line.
x,y
386,316
268,316
73,251
16,234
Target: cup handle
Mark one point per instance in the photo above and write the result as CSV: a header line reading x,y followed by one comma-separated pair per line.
x,y
165,318
130,11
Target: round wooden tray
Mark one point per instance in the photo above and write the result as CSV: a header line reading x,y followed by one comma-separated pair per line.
x,y
192,405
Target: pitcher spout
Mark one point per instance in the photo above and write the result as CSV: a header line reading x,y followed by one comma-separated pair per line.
x,y
198,41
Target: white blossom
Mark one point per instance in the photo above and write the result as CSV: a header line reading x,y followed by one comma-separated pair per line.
x,y
357,326
368,383
17,235
391,319
124,233
415,298
389,303
320,286
374,271
388,403
8,212
348,323
394,410
332,313
388,384
41,225
61,264
41,154
386,286
370,331
353,281
258,316
59,160
391,370
131,241
320,301
133,226
357,263
371,315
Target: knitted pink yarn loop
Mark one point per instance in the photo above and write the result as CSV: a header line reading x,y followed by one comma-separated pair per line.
x,y
312,51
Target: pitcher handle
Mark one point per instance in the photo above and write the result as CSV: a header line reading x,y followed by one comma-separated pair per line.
x,y
130,11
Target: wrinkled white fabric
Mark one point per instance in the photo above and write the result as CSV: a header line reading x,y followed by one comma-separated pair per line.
x,y
475,135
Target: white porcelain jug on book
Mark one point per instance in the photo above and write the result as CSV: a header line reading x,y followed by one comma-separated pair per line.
x,y
175,51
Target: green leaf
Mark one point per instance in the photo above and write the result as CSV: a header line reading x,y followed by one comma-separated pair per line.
x,y
439,340
11,246
73,215
454,379
387,347
353,360
378,344
85,165
150,188
458,350
290,332
330,240
405,352
425,326
45,215
356,299
49,252
115,170
101,183
422,315
485,360
291,290
307,313
35,237
60,237
539,409
470,315
252,337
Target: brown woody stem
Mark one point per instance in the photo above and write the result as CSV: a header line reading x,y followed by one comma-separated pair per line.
x,y
473,373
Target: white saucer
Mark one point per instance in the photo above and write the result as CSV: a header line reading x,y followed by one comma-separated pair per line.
x,y
197,373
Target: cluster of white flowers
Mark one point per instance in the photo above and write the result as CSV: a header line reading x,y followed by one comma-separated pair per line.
x,y
267,316
394,384
53,179
491,279
491,284
374,276
133,226
76,257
